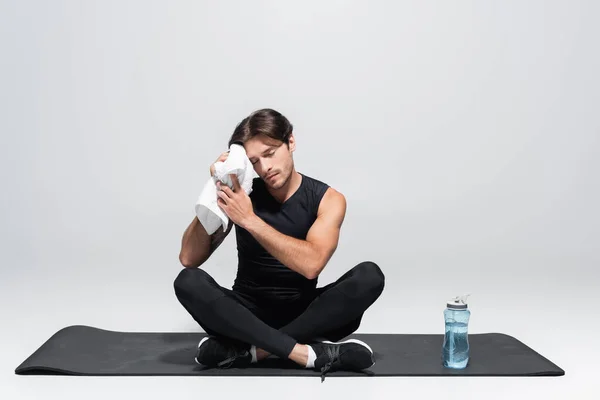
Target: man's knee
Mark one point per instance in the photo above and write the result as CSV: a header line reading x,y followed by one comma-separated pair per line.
x,y
192,282
371,276
365,281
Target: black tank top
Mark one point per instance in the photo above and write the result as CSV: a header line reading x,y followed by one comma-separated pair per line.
x,y
259,274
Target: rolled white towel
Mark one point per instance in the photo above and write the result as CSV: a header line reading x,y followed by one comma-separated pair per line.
x,y
207,209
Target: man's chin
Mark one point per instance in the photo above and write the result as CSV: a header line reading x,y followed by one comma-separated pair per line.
x,y
271,182
274,185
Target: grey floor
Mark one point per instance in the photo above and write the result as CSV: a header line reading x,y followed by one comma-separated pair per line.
x,y
557,316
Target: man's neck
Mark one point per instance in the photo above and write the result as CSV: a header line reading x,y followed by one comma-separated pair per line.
x,y
286,191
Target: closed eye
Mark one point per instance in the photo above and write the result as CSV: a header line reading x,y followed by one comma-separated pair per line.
x,y
270,154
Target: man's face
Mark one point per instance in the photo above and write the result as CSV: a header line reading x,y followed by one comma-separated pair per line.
x,y
272,160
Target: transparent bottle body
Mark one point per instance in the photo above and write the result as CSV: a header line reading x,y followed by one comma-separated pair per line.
x,y
455,350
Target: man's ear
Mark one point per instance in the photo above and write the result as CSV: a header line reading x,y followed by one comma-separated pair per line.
x,y
292,142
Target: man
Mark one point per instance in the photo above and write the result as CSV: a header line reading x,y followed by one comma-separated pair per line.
x,y
287,229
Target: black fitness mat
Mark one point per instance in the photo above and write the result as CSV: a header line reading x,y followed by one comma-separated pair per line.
x,y
84,350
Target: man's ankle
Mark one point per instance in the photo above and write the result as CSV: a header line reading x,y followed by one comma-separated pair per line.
x,y
299,354
261,354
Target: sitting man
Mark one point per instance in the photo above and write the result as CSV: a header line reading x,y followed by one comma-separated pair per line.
x,y
287,229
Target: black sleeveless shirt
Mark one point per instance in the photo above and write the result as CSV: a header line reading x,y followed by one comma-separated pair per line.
x,y
259,274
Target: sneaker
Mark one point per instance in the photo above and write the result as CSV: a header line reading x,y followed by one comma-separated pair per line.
x,y
349,355
219,352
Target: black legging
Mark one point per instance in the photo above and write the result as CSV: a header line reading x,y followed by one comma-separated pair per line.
x,y
332,313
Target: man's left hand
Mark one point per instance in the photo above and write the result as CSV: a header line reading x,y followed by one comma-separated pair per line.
x,y
235,203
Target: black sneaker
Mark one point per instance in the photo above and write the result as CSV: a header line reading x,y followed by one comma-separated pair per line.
x,y
349,355
219,352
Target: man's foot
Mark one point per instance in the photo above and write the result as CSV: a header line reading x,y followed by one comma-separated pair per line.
x,y
219,352
349,355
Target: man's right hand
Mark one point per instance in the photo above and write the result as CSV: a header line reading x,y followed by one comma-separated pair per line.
x,y
222,157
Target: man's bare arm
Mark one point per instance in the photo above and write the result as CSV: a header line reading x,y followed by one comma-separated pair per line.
x,y
307,257
197,245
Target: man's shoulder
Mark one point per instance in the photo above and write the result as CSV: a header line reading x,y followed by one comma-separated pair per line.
x,y
316,185
329,198
332,199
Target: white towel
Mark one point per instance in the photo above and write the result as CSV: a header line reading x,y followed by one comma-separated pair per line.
x,y
210,215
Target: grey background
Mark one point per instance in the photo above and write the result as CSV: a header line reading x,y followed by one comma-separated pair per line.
x,y
464,134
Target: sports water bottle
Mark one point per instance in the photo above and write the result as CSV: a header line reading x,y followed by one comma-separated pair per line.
x,y
455,350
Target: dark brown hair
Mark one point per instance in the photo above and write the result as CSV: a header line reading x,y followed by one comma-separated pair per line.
x,y
267,122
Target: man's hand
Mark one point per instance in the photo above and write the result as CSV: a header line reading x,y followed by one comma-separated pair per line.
x,y
235,203
222,157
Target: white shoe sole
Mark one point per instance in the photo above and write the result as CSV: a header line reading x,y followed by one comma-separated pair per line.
x,y
204,339
350,341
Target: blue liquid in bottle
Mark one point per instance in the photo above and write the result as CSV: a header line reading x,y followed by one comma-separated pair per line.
x,y
455,350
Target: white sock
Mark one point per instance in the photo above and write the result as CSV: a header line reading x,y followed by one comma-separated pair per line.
x,y
253,352
312,357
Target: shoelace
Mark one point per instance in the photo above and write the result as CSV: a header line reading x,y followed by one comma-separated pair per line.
x,y
228,362
333,353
